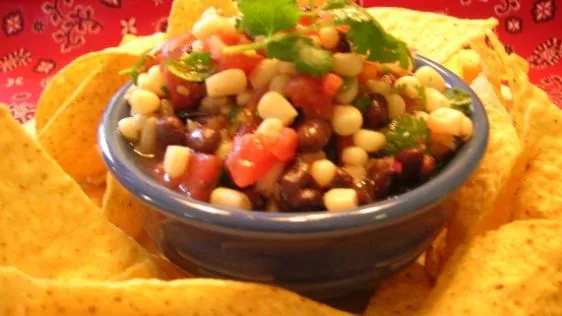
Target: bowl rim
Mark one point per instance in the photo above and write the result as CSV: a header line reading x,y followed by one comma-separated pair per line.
x,y
116,153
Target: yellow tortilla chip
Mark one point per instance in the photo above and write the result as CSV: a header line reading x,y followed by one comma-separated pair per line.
x,y
122,209
435,36
70,137
474,201
48,226
516,270
539,195
149,297
29,127
402,294
127,38
94,192
435,255
186,12
67,80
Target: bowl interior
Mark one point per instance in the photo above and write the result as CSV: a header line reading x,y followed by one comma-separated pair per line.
x,y
123,163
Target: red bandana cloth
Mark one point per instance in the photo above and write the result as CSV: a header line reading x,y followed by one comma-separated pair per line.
x,y
39,37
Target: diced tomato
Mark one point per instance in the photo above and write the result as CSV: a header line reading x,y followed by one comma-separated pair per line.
x,y
331,84
201,176
370,71
305,21
343,142
250,159
286,145
230,38
180,99
307,93
240,61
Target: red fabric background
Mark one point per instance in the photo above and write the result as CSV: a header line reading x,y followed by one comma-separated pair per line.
x,y
38,37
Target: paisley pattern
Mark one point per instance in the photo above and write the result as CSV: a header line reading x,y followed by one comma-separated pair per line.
x,y
546,54
39,37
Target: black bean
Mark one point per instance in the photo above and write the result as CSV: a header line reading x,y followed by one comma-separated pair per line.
x,y
258,200
377,114
343,45
364,190
313,135
342,179
295,177
203,139
428,167
382,173
169,131
297,190
412,162
304,200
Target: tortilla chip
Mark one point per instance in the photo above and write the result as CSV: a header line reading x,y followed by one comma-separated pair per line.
x,y
171,271
516,270
68,80
474,201
402,294
539,195
48,226
127,38
94,192
454,65
149,297
435,255
70,137
122,209
435,36
29,127
186,12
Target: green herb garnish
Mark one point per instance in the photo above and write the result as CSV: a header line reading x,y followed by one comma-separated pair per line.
x,y
363,103
138,68
405,132
367,36
194,67
460,100
276,20
335,4
307,56
268,17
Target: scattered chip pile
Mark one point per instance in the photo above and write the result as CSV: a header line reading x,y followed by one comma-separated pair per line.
x,y
500,254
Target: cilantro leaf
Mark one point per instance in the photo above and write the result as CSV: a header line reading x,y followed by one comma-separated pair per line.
x,y
460,100
194,67
268,17
135,70
367,36
308,57
335,4
363,103
405,132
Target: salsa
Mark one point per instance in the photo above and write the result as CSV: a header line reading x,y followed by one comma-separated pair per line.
x,y
300,109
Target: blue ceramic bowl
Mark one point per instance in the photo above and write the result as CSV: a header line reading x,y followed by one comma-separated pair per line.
x,y
318,254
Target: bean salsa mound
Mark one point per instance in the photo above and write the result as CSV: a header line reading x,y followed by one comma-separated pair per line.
x,y
291,109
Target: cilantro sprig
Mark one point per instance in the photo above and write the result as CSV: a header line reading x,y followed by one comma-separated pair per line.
x,y
268,17
194,67
308,57
460,100
405,132
139,67
276,21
